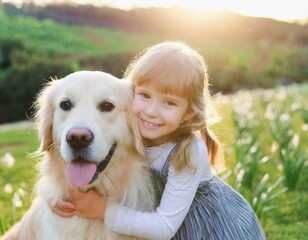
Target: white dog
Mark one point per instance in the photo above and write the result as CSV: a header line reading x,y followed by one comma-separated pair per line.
x,y
89,139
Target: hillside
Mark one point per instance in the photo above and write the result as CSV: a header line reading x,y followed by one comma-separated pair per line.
x,y
170,23
37,43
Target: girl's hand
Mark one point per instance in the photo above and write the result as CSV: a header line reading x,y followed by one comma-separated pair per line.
x,y
88,204
64,209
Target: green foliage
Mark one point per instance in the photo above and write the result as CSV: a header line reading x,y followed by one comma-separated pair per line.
x,y
7,49
292,156
265,194
234,66
21,82
248,151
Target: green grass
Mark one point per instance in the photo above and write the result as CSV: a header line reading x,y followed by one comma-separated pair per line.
x,y
19,143
288,217
50,38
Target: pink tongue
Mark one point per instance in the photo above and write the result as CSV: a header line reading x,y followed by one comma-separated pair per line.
x,y
81,173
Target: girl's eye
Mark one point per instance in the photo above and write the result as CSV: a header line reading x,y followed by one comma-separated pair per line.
x,y
170,103
66,105
144,95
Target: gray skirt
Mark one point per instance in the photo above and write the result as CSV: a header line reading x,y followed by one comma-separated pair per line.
x,y
217,212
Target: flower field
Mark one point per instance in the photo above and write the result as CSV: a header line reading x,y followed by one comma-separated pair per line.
x,y
267,155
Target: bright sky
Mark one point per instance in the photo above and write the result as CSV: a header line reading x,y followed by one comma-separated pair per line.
x,y
285,10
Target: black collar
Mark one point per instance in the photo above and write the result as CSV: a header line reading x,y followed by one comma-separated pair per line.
x,y
103,164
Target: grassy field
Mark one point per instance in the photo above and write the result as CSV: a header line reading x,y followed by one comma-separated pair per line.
x,y
50,38
265,138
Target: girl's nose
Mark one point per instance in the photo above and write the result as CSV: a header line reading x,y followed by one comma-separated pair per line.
x,y
152,109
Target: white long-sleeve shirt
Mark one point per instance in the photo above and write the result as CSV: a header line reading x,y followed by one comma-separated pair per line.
x,y
176,199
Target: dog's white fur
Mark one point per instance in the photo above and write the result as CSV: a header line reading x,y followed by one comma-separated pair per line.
x,y
125,180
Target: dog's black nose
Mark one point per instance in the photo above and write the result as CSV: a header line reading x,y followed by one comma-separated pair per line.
x,y
79,138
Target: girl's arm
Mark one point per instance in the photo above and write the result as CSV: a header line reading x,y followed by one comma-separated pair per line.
x,y
175,203
164,222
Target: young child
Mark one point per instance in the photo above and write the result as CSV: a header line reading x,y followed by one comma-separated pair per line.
x,y
172,103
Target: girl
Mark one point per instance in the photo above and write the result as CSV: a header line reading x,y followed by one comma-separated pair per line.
x,y
172,103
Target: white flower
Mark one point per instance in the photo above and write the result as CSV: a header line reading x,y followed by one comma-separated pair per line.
x,y
284,117
8,160
274,146
295,140
280,167
263,196
295,106
21,192
242,103
251,116
305,127
8,188
253,149
270,111
16,200
265,177
240,175
281,95
265,159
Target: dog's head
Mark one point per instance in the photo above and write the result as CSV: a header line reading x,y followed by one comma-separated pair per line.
x,y
83,116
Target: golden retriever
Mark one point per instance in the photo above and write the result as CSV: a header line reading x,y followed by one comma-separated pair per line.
x,y
89,138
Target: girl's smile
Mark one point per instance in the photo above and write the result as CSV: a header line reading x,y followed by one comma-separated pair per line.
x,y
150,125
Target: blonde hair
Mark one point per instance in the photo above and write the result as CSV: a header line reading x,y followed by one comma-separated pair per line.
x,y
178,69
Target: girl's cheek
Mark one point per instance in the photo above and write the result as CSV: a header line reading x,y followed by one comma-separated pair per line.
x,y
134,111
135,107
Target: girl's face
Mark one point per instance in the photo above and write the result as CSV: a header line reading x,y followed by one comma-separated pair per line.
x,y
159,114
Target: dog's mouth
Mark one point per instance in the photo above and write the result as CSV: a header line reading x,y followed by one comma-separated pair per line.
x,y
82,172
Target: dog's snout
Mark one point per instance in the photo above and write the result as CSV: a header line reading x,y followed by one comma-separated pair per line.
x,y
79,138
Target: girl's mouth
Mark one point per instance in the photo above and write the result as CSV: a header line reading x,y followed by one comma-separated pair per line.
x,y
150,125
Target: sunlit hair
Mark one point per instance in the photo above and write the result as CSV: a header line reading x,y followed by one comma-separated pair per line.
x,y
175,68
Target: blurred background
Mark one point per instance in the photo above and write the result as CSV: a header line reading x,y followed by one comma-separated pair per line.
x,y
257,57
255,44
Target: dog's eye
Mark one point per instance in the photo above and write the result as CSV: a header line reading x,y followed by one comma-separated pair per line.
x,y
106,106
66,105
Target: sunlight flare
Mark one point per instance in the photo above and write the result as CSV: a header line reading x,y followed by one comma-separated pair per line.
x,y
282,10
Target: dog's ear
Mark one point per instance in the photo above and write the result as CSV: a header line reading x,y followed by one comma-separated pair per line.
x,y
132,121
44,116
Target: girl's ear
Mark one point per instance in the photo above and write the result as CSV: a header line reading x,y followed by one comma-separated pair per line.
x,y
190,113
